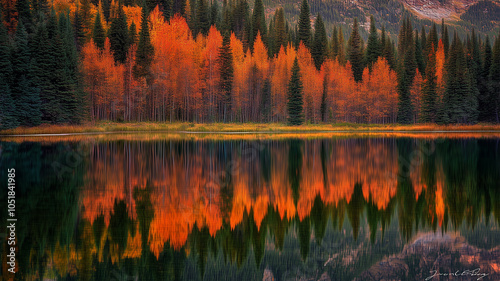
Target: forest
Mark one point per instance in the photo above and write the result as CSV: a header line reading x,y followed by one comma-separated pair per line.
x,y
75,61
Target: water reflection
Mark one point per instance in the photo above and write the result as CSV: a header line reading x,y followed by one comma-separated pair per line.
x,y
180,209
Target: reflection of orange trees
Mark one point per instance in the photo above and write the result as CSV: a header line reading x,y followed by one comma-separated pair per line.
x,y
219,185
187,184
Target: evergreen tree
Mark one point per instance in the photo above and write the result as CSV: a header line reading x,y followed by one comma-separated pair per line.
x,y
258,22
25,15
202,21
24,92
118,37
406,72
320,44
214,15
388,49
445,37
7,106
226,76
355,52
460,104
486,100
166,8
295,96
132,34
79,32
280,32
428,108
304,33
341,44
419,57
98,34
334,45
423,43
266,101
105,4
145,51
373,50
495,79
324,96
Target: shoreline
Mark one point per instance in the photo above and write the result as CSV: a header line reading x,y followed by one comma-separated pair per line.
x,y
240,128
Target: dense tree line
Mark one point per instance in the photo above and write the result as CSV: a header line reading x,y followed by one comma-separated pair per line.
x,y
204,62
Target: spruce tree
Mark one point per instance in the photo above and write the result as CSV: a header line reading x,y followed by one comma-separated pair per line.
x,y
429,95
226,76
79,32
334,45
320,44
486,101
373,50
258,21
25,15
98,34
280,32
265,106
419,57
145,51
445,37
341,43
202,21
132,34
295,96
7,105
24,91
460,104
495,79
355,52
406,72
118,37
304,33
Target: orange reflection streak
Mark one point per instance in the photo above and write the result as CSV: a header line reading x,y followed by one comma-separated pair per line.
x,y
188,182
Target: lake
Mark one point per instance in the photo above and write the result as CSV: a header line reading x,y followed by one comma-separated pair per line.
x,y
319,206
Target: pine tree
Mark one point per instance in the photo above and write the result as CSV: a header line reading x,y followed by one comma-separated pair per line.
x,y
98,34
118,37
280,32
145,51
355,52
266,101
214,15
460,104
495,79
295,96
486,98
334,45
7,106
226,76
25,15
428,108
132,34
258,21
324,96
320,44
341,45
406,72
202,22
79,32
419,57
304,33
24,91
388,50
373,50
445,37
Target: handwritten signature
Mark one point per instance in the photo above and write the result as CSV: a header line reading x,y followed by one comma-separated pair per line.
x,y
472,273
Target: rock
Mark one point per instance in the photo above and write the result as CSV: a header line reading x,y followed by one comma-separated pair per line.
x,y
268,275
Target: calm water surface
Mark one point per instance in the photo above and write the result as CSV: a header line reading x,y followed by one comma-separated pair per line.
x,y
317,207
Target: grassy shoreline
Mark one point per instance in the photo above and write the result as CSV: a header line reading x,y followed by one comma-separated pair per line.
x,y
106,127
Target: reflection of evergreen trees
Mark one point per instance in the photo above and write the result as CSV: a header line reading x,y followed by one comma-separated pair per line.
x,y
46,200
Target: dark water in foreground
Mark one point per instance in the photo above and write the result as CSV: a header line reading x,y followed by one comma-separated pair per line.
x,y
250,208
